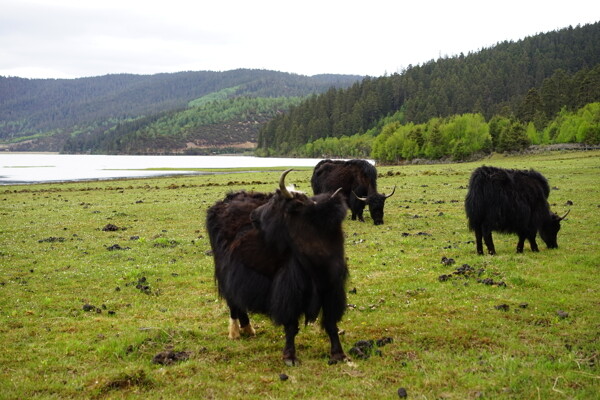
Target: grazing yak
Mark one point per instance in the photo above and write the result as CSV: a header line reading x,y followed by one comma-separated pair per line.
x,y
510,201
281,254
358,180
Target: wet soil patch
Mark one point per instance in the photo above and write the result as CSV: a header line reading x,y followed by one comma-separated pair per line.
x,y
170,357
117,247
406,234
128,380
467,272
112,228
165,243
52,239
448,261
143,286
92,308
364,349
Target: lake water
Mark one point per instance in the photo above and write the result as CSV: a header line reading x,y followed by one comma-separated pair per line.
x,y
26,168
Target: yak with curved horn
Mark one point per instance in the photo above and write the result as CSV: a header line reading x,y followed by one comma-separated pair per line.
x,y
510,201
281,254
358,180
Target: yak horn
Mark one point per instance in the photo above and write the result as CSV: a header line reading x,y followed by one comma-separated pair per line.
x,y
390,195
282,187
565,216
360,198
334,193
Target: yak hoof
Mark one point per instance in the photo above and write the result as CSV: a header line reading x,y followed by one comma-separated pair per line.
x,y
336,358
291,362
234,329
248,330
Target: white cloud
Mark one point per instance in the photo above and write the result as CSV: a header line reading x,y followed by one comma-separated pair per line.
x,y
72,38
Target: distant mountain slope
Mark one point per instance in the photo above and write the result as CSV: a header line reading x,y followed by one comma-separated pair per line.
x,y
531,79
40,108
210,125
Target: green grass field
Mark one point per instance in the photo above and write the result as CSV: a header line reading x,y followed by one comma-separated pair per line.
x,y
84,309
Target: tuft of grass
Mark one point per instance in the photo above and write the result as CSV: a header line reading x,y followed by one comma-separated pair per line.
x,y
84,311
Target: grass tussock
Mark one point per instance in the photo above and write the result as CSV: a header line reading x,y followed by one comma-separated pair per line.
x,y
107,291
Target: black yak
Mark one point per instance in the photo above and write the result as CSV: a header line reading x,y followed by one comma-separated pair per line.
x,y
510,201
281,254
358,180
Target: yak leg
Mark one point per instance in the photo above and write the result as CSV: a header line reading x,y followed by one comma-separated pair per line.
x,y
359,213
337,352
334,304
532,243
289,351
245,326
356,207
239,323
521,243
531,238
234,328
489,242
478,242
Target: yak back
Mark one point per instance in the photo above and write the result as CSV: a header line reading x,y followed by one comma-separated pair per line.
x,y
507,200
230,217
359,176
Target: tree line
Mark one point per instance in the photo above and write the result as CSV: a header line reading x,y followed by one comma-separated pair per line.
x,y
529,81
457,137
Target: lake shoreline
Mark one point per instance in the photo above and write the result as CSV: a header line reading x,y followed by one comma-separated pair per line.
x,y
28,168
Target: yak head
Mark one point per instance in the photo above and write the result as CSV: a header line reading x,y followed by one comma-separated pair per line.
x,y
376,202
311,226
549,229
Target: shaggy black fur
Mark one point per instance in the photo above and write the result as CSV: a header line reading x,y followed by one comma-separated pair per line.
x,y
283,257
510,201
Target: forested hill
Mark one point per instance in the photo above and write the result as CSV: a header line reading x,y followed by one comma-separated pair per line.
x,y
530,80
41,114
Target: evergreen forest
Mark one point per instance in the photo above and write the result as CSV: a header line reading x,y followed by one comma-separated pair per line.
x,y
137,114
542,90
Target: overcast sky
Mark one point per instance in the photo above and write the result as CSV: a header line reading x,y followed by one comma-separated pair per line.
x,y
78,38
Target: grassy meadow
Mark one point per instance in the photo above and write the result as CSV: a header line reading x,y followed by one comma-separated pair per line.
x,y
99,281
